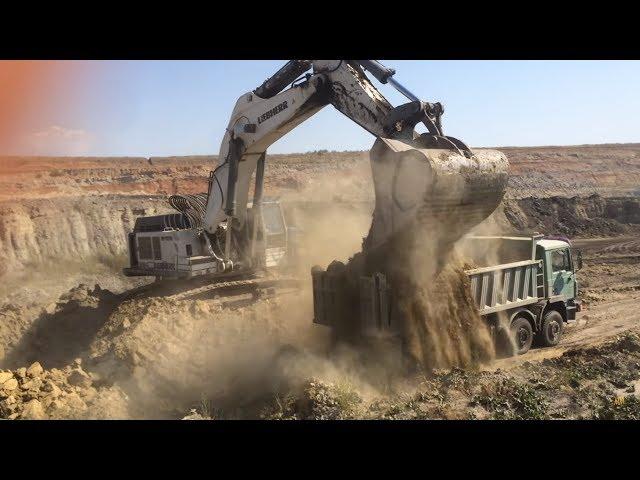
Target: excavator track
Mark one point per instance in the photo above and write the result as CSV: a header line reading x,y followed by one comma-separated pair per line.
x,y
258,288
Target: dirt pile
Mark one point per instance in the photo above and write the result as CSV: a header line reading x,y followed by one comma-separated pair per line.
x,y
535,172
316,399
168,354
80,209
57,177
154,358
63,330
607,170
589,216
34,393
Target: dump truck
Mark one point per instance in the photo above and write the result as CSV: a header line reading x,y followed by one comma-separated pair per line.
x,y
525,288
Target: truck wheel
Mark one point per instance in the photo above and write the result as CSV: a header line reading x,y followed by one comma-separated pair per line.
x,y
522,335
552,325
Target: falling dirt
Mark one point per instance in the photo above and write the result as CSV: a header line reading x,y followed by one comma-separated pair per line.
x,y
444,328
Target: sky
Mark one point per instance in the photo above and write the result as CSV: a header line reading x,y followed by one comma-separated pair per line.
x,y
157,108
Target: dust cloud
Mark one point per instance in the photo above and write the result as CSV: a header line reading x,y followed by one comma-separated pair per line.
x,y
228,358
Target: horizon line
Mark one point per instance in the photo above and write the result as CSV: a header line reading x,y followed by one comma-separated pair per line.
x,y
323,150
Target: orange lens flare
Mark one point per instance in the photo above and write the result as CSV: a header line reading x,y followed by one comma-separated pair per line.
x,y
28,89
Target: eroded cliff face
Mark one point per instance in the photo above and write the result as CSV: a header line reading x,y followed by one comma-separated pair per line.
x,y
79,229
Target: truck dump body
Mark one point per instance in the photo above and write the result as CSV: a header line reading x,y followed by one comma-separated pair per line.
x,y
508,285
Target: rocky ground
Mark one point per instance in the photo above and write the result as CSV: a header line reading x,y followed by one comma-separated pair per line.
x,y
33,393
73,344
598,382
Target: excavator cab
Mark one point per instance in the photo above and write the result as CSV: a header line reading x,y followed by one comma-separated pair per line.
x,y
275,232
273,242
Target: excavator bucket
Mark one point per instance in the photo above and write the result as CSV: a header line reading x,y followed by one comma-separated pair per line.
x,y
426,198
445,192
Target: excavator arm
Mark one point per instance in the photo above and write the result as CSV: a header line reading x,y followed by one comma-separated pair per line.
x,y
265,115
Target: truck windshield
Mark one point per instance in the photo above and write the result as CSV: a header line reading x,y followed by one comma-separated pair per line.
x,y
560,260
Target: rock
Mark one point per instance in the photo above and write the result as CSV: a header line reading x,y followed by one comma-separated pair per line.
x,y
56,376
30,385
52,388
79,378
51,308
618,383
35,369
10,385
4,376
134,359
74,402
126,324
194,415
77,362
21,372
57,408
88,394
96,378
33,411
8,406
46,402
1,353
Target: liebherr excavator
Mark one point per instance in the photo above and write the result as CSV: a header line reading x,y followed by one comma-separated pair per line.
x,y
418,177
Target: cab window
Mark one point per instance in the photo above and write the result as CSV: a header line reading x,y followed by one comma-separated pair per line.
x,y
273,219
560,260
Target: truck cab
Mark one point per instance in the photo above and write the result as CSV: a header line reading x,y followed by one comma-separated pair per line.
x,y
560,268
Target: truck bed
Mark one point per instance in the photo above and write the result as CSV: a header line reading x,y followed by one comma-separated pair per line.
x,y
506,286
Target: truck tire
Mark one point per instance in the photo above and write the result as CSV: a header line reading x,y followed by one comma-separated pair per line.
x,y
521,334
551,331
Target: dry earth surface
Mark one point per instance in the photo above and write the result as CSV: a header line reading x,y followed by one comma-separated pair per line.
x,y
75,344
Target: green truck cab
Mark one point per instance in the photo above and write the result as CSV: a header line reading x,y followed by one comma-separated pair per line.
x,y
560,272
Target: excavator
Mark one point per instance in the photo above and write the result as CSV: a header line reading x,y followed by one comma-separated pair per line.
x,y
224,240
